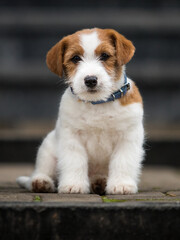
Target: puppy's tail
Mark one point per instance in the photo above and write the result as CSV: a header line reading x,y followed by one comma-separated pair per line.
x,y
23,182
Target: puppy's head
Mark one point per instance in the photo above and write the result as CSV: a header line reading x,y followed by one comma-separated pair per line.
x,y
91,61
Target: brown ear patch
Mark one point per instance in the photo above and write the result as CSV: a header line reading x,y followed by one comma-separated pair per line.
x,y
125,50
132,96
58,57
54,58
68,66
124,47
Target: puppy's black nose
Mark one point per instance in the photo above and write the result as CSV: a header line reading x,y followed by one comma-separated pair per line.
x,y
90,81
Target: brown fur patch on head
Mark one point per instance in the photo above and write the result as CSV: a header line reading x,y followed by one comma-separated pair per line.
x,y
54,58
124,47
59,56
121,50
68,66
132,96
106,47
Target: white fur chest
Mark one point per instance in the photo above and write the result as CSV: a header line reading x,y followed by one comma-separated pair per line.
x,y
99,127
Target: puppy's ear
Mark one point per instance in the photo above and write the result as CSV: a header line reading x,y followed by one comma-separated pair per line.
x,y
124,48
54,58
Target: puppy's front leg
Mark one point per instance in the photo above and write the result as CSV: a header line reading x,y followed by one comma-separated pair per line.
x,y
125,164
72,164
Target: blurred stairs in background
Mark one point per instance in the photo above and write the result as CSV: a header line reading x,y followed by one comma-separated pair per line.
x,y
30,93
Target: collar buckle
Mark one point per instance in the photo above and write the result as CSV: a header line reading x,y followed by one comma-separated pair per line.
x,y
121,91
128,86
114,98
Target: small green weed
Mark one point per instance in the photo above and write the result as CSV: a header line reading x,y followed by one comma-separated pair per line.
x,y
108,200
37,199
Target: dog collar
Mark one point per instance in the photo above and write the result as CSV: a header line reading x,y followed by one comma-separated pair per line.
x,y
116,95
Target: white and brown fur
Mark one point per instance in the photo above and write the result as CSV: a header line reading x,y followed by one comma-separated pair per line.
x,y
93,148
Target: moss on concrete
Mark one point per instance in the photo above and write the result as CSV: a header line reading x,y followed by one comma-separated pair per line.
x,y
37,199
105,199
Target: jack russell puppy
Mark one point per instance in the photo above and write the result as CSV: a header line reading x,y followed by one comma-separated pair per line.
x,y
97,143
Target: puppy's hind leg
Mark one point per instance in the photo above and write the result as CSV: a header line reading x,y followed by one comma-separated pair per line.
x,y
42,179
98,185
98,177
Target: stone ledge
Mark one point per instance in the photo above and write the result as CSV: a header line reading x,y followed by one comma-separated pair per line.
x,y
89,221
48,197
48,19
113,205
153,213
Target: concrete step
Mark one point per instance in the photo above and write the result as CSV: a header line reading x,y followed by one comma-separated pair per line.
x,y
93,4
20,143
38,101
25,215
157,152
160,20
90,221
27,34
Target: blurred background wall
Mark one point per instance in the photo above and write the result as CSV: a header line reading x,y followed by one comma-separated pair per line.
x,y
30,93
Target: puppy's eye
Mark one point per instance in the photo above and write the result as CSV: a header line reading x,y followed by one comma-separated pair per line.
x,y
104,56
75,59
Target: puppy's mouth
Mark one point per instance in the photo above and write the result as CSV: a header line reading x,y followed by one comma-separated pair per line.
x,y
92,90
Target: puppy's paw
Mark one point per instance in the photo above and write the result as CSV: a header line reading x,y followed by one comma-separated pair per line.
x,y
121,188
76,188
42,184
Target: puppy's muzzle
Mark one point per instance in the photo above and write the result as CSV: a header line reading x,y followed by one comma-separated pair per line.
x,y
90,81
